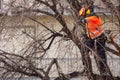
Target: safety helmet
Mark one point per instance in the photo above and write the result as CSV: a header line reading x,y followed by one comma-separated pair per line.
x,y
83,11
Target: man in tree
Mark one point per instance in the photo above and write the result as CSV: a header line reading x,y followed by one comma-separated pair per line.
x,y
95,36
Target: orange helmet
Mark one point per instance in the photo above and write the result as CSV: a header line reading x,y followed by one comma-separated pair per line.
x,y
82,11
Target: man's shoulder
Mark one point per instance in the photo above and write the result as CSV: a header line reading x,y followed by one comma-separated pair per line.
x,y
94,17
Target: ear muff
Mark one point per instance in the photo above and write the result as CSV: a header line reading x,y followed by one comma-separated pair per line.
x,y
88,12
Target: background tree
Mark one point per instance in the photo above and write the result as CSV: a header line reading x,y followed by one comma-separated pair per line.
x,y
25,63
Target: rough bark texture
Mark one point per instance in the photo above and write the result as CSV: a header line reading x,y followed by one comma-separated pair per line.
x,y
23,64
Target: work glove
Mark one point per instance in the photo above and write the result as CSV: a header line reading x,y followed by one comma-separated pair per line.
x,y
84,20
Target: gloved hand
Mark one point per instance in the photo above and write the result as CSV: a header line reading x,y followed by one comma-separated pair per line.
x,y
84,20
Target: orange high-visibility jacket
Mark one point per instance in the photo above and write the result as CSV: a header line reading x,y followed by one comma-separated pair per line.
x,y
93,26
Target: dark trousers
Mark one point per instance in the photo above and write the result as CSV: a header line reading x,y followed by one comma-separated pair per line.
x,y
99,42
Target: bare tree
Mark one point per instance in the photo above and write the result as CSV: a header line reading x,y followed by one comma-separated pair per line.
x,y
27,62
